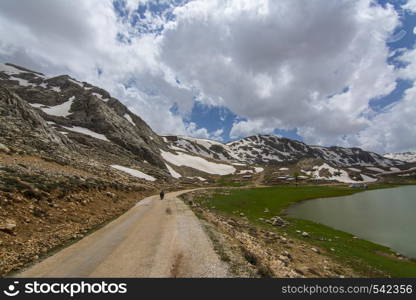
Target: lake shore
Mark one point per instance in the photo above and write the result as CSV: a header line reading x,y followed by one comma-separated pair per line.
x,y
258,205
382,216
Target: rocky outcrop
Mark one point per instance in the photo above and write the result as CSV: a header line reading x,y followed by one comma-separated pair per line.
x,y
20,124
61,115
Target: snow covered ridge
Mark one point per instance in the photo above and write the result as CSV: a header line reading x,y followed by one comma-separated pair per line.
x,y
181,159
270,149
134,172
409,157
28,78
10,69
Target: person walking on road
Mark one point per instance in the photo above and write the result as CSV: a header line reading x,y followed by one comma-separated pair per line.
x,y
162,195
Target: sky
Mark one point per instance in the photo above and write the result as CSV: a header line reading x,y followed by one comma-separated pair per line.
x,y
324,72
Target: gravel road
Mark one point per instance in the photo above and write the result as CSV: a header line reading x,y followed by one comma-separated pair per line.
x,y
155,238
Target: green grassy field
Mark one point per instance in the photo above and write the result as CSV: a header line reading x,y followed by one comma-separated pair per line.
x,y
364,257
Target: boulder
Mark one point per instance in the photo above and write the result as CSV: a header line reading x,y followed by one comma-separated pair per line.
x,y
4,148
278,221
316,250
8,225
305,234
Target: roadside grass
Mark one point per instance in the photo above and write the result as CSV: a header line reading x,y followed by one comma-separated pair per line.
x,y
366,258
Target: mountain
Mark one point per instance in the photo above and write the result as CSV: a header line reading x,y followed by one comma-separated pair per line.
x,y
409,157
73,157
272,150
62,117
80,124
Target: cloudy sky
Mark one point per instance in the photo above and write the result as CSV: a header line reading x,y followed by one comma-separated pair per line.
x,y
325,72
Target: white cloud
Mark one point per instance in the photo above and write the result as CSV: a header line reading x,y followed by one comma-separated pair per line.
x,y
410,6
248,127
191,129
279,64
393,130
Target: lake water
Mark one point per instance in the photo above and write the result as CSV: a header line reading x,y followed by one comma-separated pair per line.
x,y
386,216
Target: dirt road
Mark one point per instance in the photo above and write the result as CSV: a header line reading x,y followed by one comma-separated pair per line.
x,y
156,238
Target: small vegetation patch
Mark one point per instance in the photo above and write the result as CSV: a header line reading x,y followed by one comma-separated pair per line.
x,y
230,181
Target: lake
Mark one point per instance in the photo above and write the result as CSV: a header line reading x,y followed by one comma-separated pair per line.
x,y
385,216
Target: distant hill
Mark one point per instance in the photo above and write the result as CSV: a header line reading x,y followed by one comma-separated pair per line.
x,y
409,157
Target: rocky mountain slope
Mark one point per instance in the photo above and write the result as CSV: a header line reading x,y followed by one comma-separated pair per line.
x,y
82,125
64,118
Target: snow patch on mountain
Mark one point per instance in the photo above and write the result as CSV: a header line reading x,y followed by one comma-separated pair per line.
x,y
245,172
9,70
172,172
128,118
61,110
87,131
337,174
258,169
133,172
22,82
37,105
198,163
272,150
56,89
99,96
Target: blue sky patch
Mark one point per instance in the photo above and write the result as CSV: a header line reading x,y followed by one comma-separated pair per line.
x,y
213,118
401,86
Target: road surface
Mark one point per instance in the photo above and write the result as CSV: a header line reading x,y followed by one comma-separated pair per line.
x,y
155,238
